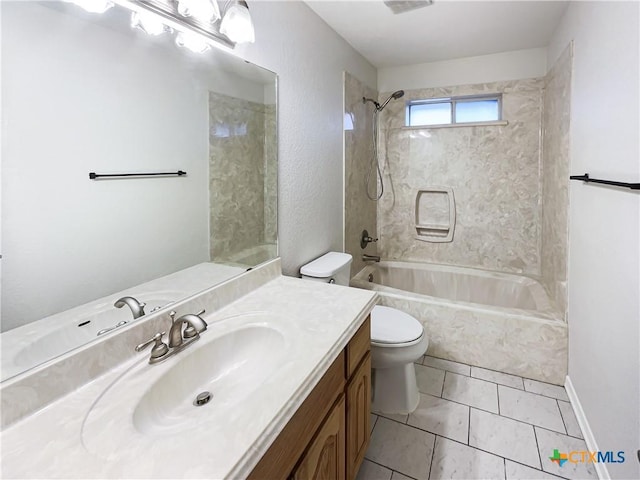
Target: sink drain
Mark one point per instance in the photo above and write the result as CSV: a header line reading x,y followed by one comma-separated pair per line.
x,y
202,399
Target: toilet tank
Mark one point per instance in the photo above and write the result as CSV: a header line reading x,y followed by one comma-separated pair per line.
x,y
332,267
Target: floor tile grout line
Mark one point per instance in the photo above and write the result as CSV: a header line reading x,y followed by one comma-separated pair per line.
x,y
543,395
469,428
526,391
562,417
433,454
444,369
429,431
412,426
524,388
465,404
498,397
496,371
522,421
456,402
504,464
558,433
488,381
529,423
538,448
380,465
396,471
498,383
487,452
394,420
389,468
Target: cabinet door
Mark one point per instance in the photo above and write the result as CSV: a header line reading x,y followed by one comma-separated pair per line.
x,y
325,457
358,416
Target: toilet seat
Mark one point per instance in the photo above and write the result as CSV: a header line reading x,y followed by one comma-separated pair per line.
x,y
391,327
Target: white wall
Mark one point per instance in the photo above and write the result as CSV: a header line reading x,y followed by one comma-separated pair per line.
x,y
309,58
604,223
497,67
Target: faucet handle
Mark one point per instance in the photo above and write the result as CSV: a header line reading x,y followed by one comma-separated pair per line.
x,y
158,350
365,239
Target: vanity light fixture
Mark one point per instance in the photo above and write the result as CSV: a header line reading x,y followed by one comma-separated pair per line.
x,y
193,21
202,10
236,23
194,42
148,22
94,6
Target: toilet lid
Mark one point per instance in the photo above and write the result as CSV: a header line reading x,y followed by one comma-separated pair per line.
x,y
389,325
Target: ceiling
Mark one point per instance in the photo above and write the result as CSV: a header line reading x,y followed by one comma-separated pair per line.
x,y
446,30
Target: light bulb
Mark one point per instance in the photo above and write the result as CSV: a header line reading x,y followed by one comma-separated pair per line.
x,y
203,10
237,24
147,22
192,41
94,6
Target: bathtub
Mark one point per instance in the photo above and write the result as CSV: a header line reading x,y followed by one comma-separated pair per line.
x,y
488,319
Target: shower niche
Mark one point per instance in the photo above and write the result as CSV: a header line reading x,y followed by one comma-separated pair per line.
x,y
435,214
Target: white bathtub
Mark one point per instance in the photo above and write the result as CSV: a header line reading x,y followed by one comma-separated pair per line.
x,y
492,320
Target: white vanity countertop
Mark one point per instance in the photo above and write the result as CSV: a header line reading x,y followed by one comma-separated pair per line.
x,y
316,320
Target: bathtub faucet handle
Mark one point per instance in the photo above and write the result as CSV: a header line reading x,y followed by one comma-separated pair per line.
x,y
365,239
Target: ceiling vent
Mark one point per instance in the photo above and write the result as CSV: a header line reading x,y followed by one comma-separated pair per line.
x,y
402,6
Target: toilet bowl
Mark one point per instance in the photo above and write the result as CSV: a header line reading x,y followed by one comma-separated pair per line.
x,y
397,340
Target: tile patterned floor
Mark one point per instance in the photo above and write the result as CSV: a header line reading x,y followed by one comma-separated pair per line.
x,y
474,423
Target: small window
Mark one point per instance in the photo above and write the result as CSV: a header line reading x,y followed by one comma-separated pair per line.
x,y
454,110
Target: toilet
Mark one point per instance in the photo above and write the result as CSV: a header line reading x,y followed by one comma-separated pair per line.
x,y
397,340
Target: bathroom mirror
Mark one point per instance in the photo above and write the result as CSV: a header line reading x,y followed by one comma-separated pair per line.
x,y
85,92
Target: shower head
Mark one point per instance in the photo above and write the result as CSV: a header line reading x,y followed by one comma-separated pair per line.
x,y
395,95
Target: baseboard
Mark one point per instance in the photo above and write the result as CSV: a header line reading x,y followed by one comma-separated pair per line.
x,y
590,440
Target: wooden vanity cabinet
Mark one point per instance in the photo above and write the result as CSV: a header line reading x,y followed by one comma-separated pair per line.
x,y
324,459
327,437
358,416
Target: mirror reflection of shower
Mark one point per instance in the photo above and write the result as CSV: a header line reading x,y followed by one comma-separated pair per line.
x,y
375,161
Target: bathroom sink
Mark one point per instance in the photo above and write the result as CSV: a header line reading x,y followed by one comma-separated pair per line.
x,y
159,400
229,368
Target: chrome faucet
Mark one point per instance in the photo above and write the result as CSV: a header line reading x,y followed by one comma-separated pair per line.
x,y
137,308
370,258
195,326
178,339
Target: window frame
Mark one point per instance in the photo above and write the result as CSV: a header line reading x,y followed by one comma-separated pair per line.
x,y
453,101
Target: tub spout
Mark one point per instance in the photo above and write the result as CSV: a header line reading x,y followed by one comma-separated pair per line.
x,y
370,258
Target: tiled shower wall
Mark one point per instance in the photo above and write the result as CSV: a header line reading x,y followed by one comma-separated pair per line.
x,y
360,212
240,160
270,174
555,178
494,172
